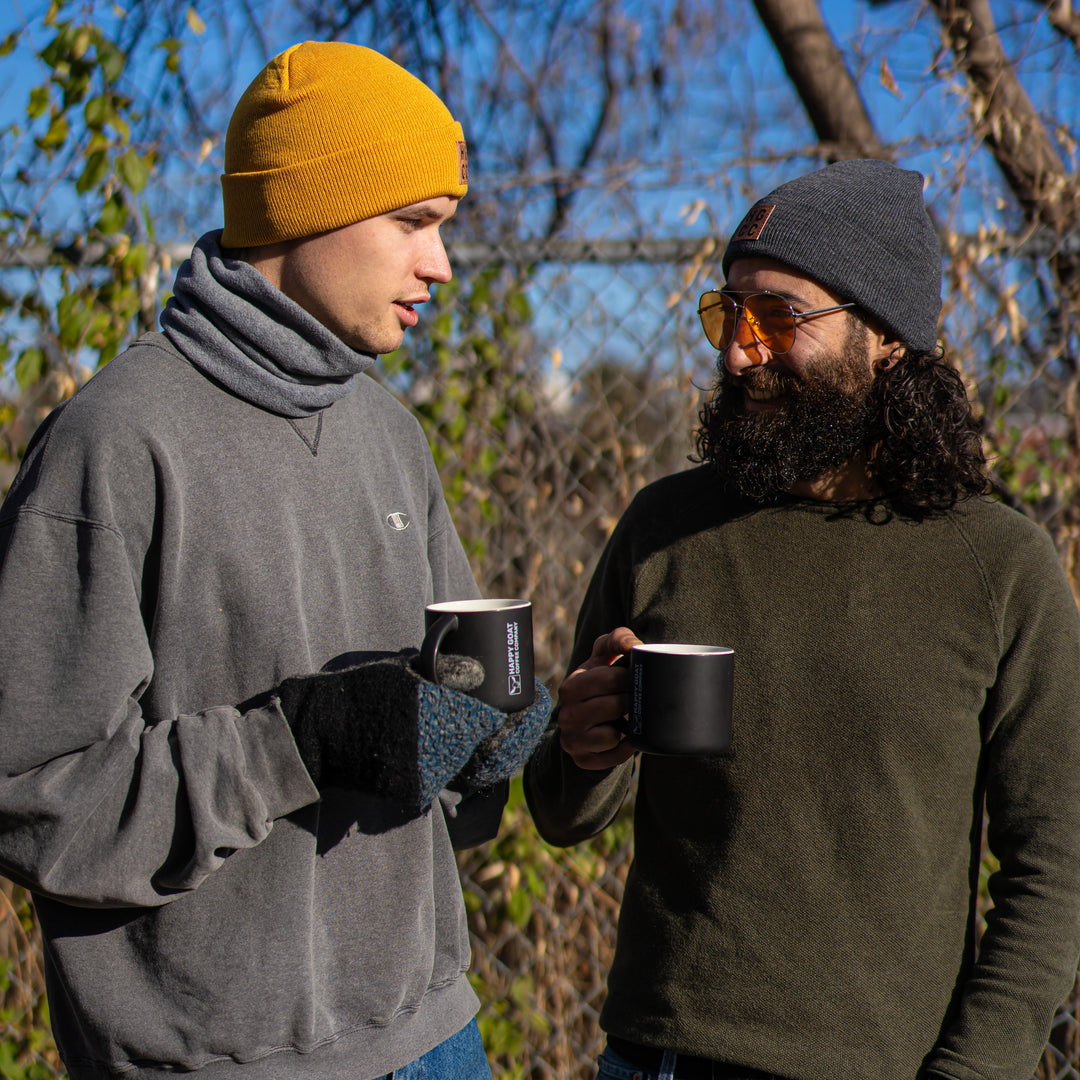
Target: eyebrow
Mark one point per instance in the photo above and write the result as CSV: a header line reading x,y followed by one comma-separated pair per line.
x,y
791,298
428,213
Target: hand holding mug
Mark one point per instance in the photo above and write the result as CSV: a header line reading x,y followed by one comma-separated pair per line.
x,y
593,700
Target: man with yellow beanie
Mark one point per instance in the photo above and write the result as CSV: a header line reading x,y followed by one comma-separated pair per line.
x,y
228,790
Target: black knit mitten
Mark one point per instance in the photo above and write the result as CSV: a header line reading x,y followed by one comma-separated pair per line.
x,y
381,728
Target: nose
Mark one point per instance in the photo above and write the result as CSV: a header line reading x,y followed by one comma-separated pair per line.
x,y
435,265
745,350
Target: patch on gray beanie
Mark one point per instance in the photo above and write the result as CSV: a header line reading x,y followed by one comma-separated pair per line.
x,y
860,228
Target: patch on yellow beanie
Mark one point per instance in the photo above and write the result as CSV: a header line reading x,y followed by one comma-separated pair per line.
x,y
330,133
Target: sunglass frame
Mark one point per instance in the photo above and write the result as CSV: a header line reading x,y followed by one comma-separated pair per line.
x,y
754,321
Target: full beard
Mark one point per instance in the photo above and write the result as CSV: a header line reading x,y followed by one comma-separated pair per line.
x,y
828,417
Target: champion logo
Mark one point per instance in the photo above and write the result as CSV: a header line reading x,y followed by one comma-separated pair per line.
x,y
398,521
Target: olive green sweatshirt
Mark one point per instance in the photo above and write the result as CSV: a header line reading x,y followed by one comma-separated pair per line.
x,y
806,904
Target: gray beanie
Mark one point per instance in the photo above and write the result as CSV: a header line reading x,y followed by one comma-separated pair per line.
x,y
859,228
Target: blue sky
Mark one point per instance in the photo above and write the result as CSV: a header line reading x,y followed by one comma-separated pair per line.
x,y
741,92
739,103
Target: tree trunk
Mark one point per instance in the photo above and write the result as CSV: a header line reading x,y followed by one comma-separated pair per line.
x,y
819,74
1007,121
1014,133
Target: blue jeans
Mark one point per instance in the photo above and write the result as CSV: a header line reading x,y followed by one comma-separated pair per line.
x,y
461,1057
613,1067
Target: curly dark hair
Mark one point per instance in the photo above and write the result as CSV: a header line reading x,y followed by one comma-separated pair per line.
x,y
923,441
929,453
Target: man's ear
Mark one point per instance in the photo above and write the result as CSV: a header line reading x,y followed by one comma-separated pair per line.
x,y
884,348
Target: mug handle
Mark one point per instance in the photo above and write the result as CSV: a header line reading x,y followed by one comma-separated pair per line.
x,y
623,723
429,649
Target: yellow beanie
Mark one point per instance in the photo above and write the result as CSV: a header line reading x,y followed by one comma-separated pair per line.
x,y
328,134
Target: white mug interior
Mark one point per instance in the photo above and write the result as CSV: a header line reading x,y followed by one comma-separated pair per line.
x,y
463,606
667,649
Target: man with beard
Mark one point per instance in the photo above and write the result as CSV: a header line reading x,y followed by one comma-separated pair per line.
x,y
907,660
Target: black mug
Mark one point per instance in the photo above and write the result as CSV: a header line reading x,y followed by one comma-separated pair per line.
x,y
498,633
681,698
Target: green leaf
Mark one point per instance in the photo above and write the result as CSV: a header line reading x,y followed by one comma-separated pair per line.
x,y
114,216
96,112
519,304
31,367
112,60
134,169
57,134
135,260
519,907
9,43
480,297
73,316
95,172
441,326
76,88
8,1065
54,51
172,48
39,102
81,41
118,123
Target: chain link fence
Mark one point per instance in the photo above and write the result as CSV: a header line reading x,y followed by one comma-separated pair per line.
x,y
554,381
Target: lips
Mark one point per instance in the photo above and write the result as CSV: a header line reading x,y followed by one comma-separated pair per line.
x,y
766,386
407,310
755,394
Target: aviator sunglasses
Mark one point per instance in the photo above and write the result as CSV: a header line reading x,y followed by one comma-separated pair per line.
x,y
771,318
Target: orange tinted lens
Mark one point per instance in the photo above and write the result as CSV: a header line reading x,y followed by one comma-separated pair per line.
x,y
718,318
771,320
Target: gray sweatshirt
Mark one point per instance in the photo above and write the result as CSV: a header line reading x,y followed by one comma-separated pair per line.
x,y
168,553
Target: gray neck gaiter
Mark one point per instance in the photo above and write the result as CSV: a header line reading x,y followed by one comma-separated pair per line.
x,y
235,327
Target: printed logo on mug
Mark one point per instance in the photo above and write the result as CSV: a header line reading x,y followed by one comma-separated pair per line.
x,y
498,633
513,655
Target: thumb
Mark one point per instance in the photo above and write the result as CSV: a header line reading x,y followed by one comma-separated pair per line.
x,y
610,646
463,673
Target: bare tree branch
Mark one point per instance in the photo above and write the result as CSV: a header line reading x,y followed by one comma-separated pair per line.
x,y
1064,17
601,123
1005,117
564,180
817,70
1013,131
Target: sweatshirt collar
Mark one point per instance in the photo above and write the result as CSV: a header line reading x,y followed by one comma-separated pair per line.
x,y
247,335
